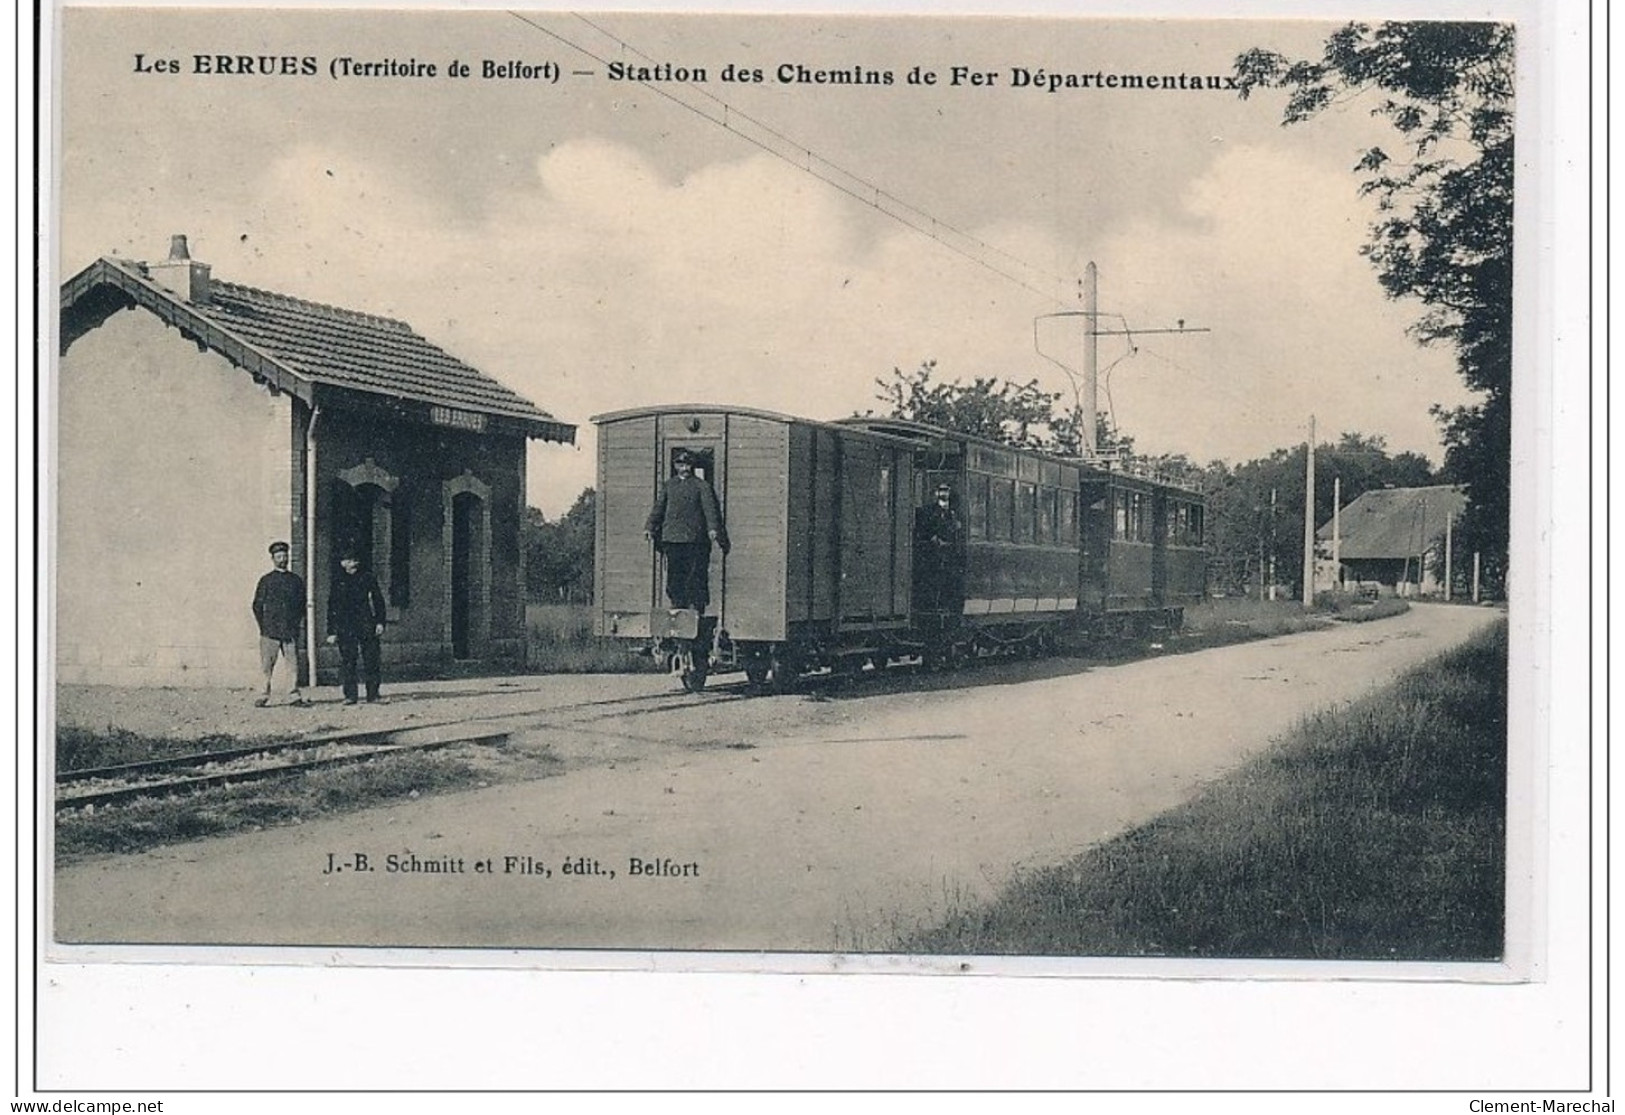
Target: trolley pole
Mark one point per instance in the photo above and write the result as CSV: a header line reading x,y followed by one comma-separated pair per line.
x,y
1309,523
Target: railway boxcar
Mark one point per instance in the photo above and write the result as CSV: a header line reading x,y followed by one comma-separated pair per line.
x,y
819,519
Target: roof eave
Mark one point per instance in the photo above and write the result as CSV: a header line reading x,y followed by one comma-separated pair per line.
x,y
191,324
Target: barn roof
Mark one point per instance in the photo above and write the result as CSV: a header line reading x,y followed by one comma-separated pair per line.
x,y
298,345
1395,522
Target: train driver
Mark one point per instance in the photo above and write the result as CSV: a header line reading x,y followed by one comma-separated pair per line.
x,y
683,524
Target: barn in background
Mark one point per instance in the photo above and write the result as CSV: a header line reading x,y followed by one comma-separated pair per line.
x,y
1391,541
197,421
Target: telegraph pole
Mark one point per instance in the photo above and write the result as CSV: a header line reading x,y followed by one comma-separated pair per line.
x,y
1337,529
1088,394
1449,524
1309,523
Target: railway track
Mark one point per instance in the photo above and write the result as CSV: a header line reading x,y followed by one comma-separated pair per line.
x,y
98,786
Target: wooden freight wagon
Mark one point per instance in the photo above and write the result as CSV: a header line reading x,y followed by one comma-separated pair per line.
x,y
820,523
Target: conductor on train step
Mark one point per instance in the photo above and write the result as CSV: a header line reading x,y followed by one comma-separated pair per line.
x,y
683,524
939,553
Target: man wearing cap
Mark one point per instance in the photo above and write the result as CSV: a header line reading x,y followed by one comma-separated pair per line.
x,y
279,609
939,553
355,620
683,523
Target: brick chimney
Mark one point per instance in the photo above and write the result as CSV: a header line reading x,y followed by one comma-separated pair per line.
x,y
181,274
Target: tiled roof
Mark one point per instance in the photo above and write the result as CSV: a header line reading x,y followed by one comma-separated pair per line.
x,y
1395,522
325,345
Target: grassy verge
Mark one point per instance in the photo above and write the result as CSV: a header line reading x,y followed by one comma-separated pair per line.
x,y
217,811
1376,831
85,748
559,640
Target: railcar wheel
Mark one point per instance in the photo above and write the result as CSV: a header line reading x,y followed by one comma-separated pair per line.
x,y
758,670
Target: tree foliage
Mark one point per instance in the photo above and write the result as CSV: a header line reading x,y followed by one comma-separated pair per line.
x,y
1247,529
1443,233
559,556
1019,414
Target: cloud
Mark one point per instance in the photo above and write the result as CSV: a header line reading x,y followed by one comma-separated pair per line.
x,y
603,283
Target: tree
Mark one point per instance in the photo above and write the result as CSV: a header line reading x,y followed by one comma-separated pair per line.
x,y
1443,234
559,556
1247,528
1019,414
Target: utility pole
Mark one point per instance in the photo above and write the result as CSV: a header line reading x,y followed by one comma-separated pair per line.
x,y
1091,357
1449,524
1309,523
1337,529
1088,394
1272,547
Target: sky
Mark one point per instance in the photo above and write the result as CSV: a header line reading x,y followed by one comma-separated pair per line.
x,y
599,244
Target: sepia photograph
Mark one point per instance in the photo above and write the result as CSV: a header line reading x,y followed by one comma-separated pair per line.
x,y
790,493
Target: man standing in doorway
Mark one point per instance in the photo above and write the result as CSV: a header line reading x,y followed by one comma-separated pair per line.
x,y
355,621
279,609
939,554
683,523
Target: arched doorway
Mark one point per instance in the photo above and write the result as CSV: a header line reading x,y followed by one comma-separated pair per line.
x,y
468,567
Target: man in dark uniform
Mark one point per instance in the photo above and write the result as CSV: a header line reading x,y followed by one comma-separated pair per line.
x,y
683,523
279,610
355,620
939,553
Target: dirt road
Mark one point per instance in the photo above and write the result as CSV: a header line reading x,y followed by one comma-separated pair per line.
x,y
802,823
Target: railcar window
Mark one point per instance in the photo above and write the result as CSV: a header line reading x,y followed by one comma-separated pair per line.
x,y
1197,525
1139,521
1120,528
1026,497
1067,513
1046,515
977,505
1001,502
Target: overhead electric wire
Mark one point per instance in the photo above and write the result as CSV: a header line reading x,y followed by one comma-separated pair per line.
x,y
805,159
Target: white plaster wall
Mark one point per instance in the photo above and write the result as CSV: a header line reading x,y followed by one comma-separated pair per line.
x,y
174,473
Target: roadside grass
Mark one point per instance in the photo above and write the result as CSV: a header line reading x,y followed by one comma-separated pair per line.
x,y
1375,831
217,811
1355,608
559,640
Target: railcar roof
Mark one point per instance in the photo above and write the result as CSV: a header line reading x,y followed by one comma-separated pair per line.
x,y
748,412
905,427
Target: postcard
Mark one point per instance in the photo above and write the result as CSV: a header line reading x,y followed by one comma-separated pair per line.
x,y
533,496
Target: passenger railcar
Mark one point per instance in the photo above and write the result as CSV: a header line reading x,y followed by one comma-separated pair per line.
x,y
822,573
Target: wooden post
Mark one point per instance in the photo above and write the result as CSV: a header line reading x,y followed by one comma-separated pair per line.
x,y
1475,576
